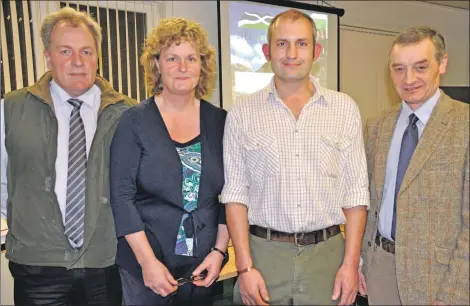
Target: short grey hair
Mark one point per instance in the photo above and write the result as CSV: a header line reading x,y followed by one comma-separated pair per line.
x,y
417,34
74,18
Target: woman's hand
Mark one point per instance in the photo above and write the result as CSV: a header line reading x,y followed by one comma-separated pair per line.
x,y
212,263
158,278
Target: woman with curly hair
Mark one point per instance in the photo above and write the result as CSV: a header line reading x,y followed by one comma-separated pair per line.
x,y
167,174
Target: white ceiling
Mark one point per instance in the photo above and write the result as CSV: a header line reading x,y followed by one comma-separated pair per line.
x,y
458,4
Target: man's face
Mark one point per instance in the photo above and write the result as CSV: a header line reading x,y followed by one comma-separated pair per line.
x,y
73,58
416,72
292,50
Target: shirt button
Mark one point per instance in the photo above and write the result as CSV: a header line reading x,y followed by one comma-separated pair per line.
x,y
296,131
297,155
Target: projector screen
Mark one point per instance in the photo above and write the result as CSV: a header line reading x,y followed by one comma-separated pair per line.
x,y
243,28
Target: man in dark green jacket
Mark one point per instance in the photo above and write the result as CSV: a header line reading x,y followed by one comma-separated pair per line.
x,y
56,135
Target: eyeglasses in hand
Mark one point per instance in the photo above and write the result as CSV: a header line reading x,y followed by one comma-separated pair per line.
x,y
184,280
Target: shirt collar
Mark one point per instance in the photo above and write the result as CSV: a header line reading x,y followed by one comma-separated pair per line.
x,y
318,96
424,111
61,96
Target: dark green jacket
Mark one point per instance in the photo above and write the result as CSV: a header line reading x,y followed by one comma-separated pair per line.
x,y
35,229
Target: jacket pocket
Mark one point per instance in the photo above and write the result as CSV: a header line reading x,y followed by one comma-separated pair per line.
x,y
443,256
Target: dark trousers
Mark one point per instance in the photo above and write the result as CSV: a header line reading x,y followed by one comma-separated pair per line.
x,y
35,285
136,293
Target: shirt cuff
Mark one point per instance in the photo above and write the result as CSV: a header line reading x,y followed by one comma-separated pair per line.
x,y
357,200
238,196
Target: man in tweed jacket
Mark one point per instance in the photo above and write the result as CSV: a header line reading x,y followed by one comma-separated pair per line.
x,y
426,259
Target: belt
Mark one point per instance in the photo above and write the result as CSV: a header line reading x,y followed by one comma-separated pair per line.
x,y
384,243
296,238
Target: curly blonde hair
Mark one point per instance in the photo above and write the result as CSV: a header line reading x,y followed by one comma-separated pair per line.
x,y
177,30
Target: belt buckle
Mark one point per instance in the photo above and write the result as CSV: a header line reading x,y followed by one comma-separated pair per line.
x,y
298,236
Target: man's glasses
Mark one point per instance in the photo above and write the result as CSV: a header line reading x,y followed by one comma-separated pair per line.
x,y
184,280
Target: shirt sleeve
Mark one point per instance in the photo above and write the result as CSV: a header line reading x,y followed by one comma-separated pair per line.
x,y
236,182
125,157
354,165
4,163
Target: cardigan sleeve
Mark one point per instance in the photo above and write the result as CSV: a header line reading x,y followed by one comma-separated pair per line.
x,y
125,157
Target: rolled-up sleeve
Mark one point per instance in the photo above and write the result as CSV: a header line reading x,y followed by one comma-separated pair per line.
x,y
236,183
125,157
354,166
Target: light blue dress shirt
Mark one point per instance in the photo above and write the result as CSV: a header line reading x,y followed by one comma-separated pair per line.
x,y
423,113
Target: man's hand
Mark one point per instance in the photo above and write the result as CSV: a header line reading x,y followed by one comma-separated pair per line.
x,y
158,278
212,264
346,285
253,288
362,283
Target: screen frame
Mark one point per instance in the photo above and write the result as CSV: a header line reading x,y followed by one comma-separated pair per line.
x,y
286,4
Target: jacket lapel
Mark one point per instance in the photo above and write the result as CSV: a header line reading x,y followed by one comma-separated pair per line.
x,y
106,121
435,129
383,147
107,118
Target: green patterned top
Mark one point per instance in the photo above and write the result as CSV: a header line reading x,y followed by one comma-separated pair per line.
x,y
190,155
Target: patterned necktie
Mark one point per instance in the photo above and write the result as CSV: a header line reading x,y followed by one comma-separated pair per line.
x,y
75,205
408,146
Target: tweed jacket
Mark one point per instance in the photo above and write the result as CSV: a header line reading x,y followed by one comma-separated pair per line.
x,y
432,238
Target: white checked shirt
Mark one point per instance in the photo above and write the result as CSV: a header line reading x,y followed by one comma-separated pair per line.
x,y
295,175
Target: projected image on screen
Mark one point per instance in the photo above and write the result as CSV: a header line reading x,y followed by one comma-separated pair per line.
x,y
248,23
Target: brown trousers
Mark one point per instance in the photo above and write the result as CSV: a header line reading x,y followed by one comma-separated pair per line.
x,y
381,279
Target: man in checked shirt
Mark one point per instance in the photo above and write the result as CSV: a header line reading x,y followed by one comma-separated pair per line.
x,y
295,169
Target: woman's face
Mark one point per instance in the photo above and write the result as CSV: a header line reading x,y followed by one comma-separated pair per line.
x,y
180,68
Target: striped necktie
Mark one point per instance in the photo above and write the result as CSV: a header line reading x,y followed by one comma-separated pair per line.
x,y
76,176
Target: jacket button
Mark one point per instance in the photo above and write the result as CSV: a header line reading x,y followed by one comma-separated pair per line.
x,y
370,244
376,214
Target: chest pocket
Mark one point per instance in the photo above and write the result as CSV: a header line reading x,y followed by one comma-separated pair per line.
x,y
330,155
261,155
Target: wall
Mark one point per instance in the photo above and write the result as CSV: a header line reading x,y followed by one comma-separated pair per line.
x,y
453,23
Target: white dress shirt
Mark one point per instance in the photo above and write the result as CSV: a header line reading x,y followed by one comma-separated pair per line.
x,y
88,112
295,175
423,113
